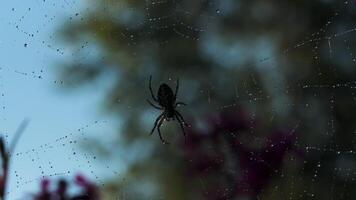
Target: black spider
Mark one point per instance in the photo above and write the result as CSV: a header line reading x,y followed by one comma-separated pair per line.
x,y
167,101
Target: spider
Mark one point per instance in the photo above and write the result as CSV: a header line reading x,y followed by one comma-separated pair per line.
x,y
167,102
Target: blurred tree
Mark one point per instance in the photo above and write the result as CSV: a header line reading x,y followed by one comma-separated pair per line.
x,y
216,48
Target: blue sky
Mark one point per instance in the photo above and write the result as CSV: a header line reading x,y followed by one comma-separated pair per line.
x,y
52,111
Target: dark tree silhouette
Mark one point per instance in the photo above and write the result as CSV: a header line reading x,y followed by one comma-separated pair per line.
x,y
217,49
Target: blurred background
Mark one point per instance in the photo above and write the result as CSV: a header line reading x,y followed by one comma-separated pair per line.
x,y
269,88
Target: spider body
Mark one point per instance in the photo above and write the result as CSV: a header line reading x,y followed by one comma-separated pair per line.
x,y
166,99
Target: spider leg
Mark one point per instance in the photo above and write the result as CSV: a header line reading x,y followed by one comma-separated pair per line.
x,y
159,108
159,131
177,88
150,87
180,117
159,118
182,126
180,103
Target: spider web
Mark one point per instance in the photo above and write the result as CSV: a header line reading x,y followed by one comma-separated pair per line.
x,y
333,40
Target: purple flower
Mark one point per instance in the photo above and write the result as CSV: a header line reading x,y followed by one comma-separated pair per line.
x,y
257,167
44,193
89,190
62,189
216,150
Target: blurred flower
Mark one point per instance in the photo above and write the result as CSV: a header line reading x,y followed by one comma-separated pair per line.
x,y
257,167
44,193
89,190
62,189
216,151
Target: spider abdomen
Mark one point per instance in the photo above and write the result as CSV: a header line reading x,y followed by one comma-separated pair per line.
x,y
165,96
